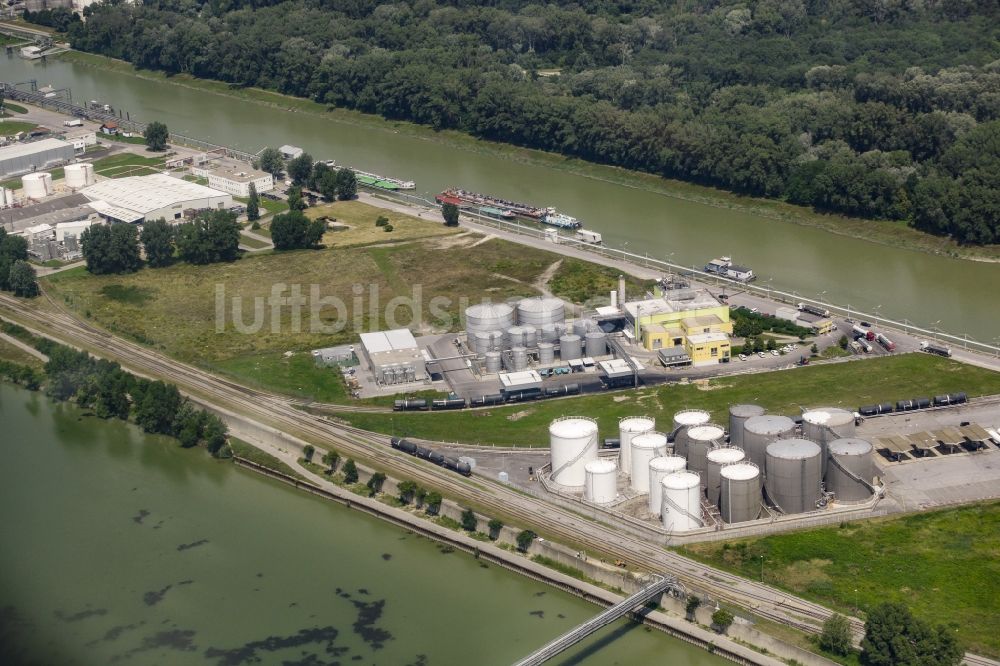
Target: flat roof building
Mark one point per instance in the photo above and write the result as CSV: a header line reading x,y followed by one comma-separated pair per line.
x,y
142,198
236,180
393,356
677,316
33,156
290,152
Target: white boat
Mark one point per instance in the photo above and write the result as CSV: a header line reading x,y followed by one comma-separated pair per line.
x,y
556,219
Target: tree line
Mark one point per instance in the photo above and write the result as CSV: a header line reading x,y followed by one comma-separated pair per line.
x,y
885,109
110,392
16,274
115,248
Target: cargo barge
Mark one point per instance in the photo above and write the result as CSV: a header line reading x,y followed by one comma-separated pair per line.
x,y
496,207
374,180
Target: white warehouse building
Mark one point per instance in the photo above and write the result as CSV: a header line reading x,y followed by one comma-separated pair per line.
x,y
394,356
236,181
141,198
33,156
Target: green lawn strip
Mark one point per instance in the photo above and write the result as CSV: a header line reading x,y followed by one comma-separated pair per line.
x,y
296,376
255,243
253,454
14,354
838,384
11,127
942,564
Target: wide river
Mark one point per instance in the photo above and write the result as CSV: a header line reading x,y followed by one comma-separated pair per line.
x,y
122,547
923,288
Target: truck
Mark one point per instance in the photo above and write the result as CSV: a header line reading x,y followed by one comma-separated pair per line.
x,y
867,347
862,333
885,342
813,309
73,122
591,237
931,348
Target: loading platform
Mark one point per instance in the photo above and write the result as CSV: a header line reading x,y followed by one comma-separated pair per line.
x,y
650,592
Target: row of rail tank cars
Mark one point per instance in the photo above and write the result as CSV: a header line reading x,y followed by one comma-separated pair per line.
x,y
943,400
422,405
417,451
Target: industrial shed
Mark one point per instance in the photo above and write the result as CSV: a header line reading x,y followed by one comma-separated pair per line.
x,y
393,356
141,198
33,156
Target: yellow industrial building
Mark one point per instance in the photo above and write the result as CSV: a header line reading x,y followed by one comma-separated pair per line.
x,y
692,319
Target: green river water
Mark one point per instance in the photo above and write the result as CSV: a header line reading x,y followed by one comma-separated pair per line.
x,y
124,548
922,288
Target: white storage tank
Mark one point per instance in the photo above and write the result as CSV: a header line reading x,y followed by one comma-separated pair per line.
x,y
645,447
596,343
659,468
849,469
629,427
682,421
824,424
573,444
739,492
738,414
515,336
681,501
700,440
80,174
759,431
792,479
488,317
583,326
569,347
37,185
601,486
541,311
717,459
480,342
546,353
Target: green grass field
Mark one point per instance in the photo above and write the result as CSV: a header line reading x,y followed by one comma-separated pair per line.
x,y
296,376
127,164
942,564
361,218
11,127
16,108
844,384
252,242
14,354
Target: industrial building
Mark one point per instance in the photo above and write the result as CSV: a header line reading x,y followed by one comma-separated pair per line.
x,y
394,357
236,180
690,323
81,139
821,325
136,199
27,157
290,152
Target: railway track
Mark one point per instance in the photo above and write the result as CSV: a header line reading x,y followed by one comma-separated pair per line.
x,y
558,523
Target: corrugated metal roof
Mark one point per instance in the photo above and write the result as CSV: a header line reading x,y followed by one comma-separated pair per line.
x,y
31,148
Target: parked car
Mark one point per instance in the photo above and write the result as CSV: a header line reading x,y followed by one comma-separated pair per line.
x,y
761,354
743,357
775,352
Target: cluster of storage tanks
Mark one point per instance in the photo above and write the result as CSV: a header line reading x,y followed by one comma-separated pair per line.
x,y
764,456
535,326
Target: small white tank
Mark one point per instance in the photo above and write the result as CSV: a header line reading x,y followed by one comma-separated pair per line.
x,y
79,175
601,485
659,468
645,447
629,427
573,444
681,501
6,197
717,459
691,417
37,185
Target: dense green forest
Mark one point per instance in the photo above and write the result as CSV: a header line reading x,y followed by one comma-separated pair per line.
x,y
874,108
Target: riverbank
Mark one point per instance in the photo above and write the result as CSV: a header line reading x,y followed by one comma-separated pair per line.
x,y
895,234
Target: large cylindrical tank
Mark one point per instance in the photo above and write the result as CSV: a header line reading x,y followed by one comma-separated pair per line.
x,y
850,463
569,347
629,427
700,440
824,424
659,468
573,444
583,326
645,447
739,492
597,343
515,336
488,317
519,358
601,485
540,311
716,460
492,361
549,333
498,341
530,336
759,431
479,342
738,414
793,474
37,185
546,353
681,501
80,174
